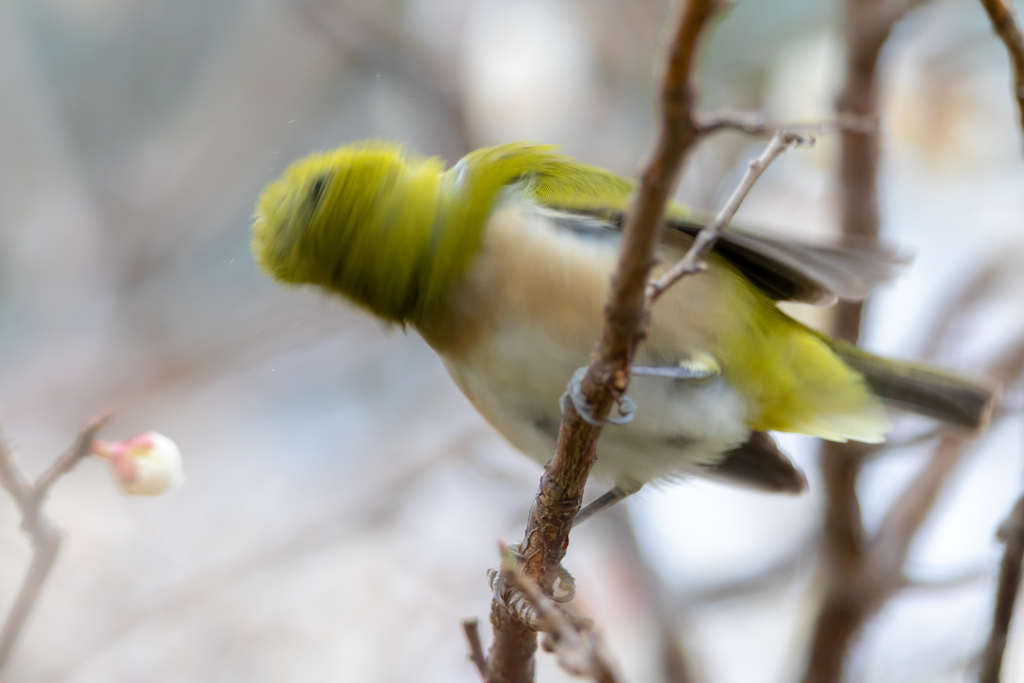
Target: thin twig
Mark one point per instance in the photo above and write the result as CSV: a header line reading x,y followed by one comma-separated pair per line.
x,y
561,490
471,629
691,262
753,123
579,652
1011,532
34,522
1006,25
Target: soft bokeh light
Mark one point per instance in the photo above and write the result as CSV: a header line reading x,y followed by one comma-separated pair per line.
x,y
343,499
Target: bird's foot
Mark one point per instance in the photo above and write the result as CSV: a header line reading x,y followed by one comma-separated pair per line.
x,y
574,395
515,602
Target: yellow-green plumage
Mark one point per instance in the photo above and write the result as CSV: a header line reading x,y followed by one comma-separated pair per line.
x,y
503,263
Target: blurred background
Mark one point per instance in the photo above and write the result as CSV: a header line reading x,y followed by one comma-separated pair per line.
x,y
343,500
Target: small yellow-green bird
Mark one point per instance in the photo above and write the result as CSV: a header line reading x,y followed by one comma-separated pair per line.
x,y
503,264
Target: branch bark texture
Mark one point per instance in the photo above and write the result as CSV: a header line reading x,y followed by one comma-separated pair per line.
x,y
561,489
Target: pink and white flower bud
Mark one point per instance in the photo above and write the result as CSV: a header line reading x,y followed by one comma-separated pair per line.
x,y
145,465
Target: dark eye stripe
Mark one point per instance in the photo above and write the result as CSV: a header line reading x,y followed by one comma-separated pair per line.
x,y
317,190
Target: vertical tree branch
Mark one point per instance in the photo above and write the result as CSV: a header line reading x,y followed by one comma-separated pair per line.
x,y
1006,25
843,610
1011,532
547,533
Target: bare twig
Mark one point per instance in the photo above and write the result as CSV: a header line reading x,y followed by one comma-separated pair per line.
x,y
1006,25
34,522
1011,532
578,651
753,123
691,262
561,489
471,629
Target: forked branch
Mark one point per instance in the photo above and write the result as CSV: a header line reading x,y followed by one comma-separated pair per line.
x,y
45,537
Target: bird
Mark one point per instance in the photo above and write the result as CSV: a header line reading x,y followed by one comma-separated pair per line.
x,y
503,264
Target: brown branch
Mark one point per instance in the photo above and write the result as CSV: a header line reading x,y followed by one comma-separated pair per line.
x,y
1009,367
1011,532
863,573
873,569
753,123
1006,25
691,262
891,543
34,522
471,629
578,651
561,489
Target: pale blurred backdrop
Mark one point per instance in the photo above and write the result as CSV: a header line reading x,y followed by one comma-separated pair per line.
x,y
342,499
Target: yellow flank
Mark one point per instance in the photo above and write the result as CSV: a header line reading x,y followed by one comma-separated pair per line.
x,y
792,380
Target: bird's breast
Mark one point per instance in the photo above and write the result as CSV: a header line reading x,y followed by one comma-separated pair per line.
x,y
528,315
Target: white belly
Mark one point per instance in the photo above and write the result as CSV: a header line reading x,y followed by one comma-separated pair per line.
x,y
515,378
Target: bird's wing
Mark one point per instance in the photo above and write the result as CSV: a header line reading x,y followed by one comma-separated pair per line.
x,y
785,269
792,270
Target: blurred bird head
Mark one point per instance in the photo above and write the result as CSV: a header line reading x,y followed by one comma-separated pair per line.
x,y
357,220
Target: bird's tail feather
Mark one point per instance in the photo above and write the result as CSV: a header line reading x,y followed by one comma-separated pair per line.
x,y
922,389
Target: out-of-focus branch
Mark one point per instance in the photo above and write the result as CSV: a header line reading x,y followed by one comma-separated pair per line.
x,y
691,263
561,489
762,581
578,650
471,630
34,522
858,571
675,663
1011,532
890,545
753,123
1006,25
875,572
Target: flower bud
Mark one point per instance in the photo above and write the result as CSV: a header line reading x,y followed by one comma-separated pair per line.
x,y
145,465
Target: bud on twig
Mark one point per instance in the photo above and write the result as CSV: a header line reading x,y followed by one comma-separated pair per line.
x,y
148,464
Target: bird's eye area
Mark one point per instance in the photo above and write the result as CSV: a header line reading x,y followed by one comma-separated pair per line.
x,y
316,191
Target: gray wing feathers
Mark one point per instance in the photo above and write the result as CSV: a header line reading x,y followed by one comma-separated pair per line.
x,y
810,273
784,268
